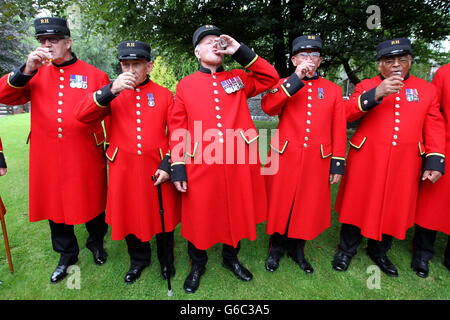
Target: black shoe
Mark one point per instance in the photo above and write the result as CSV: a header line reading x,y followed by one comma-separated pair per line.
x,y
193,279
61,271
385,265
99,256
272,262
238,269
420,267
303,263
134,273
164,271
341,261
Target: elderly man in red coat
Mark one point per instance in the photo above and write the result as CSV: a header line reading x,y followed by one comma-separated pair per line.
x,y
226,196
138,108
312,138
400,137
67,163
433,213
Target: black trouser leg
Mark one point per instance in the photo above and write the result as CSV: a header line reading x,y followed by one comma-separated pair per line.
x,y
164,247
97,229
447,253
229,253
423,243
296,247
350,239
379,248
64,242
197,256
277,244
139,251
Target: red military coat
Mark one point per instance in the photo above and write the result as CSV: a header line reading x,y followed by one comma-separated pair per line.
x,y
67,164
138,143
226,196
2,165
379,190
433,210
311,144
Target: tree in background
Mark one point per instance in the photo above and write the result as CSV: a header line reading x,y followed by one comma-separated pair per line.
x,y
163,75
268,26
15,22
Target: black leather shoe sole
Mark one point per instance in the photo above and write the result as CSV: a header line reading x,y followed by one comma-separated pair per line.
x,y
99,256
304,264
420,267
272,264
133,274
239,271
61,272
385,265
192,281
341,261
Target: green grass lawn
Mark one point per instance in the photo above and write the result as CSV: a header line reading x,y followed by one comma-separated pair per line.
x,y
34,259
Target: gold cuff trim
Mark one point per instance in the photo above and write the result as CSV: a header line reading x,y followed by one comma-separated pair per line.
x,y
282,150
321,152
175,163
251,62
435,154
338,158
193,153
246,140
96,102
359,105
9,83
360,145
285,91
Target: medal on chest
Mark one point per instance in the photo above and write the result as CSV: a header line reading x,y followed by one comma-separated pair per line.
x,y
78,81
232,85
412,95
320,93
150,99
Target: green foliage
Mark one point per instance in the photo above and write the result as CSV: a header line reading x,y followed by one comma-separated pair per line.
x,y
14,21
163,75
97,49
270,26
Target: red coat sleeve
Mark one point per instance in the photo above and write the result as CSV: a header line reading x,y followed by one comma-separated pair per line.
x,y
14,88
339,133
361,101
95,106
177,129
434,131
273,102
262,76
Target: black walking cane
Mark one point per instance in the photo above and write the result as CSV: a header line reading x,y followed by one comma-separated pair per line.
x,y
161,212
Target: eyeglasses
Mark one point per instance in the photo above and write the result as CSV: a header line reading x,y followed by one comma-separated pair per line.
x,y
390,61
311,54
52,40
